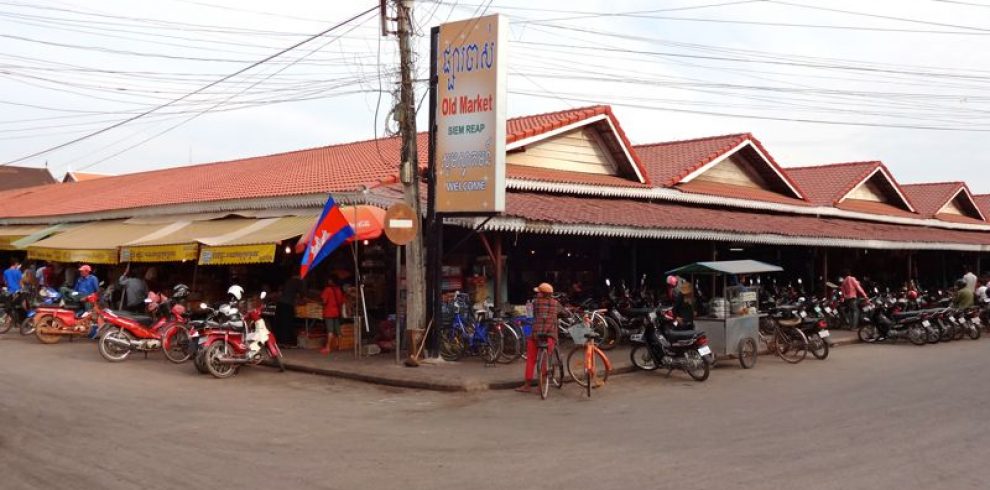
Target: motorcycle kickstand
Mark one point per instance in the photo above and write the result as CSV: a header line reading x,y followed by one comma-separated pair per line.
x,y
669,370
145,354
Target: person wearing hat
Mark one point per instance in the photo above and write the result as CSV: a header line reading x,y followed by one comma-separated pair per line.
x,y
545,312
86,283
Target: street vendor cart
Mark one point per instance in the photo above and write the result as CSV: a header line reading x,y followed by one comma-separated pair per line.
x,y
733,320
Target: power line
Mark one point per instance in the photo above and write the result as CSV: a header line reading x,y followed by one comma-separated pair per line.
x,y
190,94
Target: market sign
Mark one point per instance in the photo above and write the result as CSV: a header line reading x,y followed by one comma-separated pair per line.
x,y
237,254
100,256
160,253
470,115
7,242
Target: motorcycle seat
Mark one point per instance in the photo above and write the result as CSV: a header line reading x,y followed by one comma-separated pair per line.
x,y
135,317
675,335
904,315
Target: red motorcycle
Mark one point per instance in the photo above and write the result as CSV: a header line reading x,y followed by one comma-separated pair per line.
x,y
225,350
127,332
54,322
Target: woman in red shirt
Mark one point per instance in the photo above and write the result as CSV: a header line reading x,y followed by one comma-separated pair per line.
x,y
333,300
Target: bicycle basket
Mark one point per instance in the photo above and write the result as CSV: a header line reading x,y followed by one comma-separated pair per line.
x,y
578,331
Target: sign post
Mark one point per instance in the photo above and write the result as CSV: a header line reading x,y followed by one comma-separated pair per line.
x,y
466,167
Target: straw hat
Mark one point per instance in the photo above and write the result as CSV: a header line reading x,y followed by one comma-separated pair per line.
x,y
544,288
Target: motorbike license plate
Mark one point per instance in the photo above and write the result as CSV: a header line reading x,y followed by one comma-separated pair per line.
x,y
636,337
653,316
823,333
926,324
828,310
818,309
953,319
704,350
804,314
976,320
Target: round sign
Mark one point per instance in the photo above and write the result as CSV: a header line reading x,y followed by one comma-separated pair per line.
x,y
401,223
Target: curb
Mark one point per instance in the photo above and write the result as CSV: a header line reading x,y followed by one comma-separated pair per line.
x,y
467,386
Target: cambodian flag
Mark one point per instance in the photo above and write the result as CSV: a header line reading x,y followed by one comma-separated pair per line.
x,y
331,230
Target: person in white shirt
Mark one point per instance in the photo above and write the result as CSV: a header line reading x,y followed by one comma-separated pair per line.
x,y
969,278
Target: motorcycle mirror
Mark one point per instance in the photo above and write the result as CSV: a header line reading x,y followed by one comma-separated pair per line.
x,y
608,282
204,306
800,281
264,294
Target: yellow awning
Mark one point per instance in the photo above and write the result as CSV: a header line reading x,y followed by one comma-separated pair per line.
x,y
179,242
12,233
92,242
253,244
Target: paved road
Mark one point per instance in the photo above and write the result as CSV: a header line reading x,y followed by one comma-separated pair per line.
x,y
874,417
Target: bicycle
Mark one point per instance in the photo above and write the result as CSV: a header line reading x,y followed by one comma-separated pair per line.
x,y
548,365
584,361
464,335
786,342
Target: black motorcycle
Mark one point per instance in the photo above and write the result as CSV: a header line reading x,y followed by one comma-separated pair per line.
x,y
911,325
671,348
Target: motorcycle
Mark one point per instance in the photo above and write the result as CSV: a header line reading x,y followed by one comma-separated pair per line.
x,y
913,325
13,309
68,318
673,349
127,332
226,351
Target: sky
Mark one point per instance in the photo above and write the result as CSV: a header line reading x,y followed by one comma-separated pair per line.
x,y
900,81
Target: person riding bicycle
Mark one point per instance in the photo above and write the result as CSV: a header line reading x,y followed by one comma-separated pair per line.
x,y
545,312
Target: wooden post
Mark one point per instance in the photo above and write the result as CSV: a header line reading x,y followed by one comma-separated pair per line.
x,y
825,274
499,261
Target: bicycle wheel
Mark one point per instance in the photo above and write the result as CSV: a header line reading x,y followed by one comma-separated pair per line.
x,y
600,326
557,369
512,346
6,321
451,344
543,367
792,344
576,368
491,343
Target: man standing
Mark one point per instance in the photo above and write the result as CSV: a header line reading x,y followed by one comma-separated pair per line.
x,y
285,311
545,311
12,276
86,283
135,291
851,291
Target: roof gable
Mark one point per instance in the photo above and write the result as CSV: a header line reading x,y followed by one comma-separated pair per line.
x,y
848,185
950,201
12,177
737,164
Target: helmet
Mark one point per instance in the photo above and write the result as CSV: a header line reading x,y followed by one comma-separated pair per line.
x,y
912,295
672,280
180,291
236,291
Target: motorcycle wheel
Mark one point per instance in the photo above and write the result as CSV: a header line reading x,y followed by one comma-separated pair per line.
x,y
175,344
642,358
696,367
959,331
747,353
945,332
933,334
199,360
792,345
973,331
27,326
868,334
113,352
818,347
213,353
6,322
918,335
47,321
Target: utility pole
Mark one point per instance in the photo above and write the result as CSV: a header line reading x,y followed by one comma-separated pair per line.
x,y
409,169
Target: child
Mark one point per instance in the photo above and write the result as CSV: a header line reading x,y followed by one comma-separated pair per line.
x,y
333,300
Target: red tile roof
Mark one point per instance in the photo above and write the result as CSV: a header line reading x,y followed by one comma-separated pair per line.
x,y
825,185
564,177
983,201
738,192
670,216
335,168
12,177
872,207
668,163
929,198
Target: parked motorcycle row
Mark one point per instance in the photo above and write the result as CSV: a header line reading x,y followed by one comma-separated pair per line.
x,y
219,339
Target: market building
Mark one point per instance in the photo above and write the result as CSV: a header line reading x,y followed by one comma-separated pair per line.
x,y
583,204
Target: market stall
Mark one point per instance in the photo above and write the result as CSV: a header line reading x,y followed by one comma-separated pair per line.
x,y
733,320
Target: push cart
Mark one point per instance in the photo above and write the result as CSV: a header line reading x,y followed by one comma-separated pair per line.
x,y
733,322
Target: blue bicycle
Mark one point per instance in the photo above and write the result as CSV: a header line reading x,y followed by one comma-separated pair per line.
x,y
465,336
